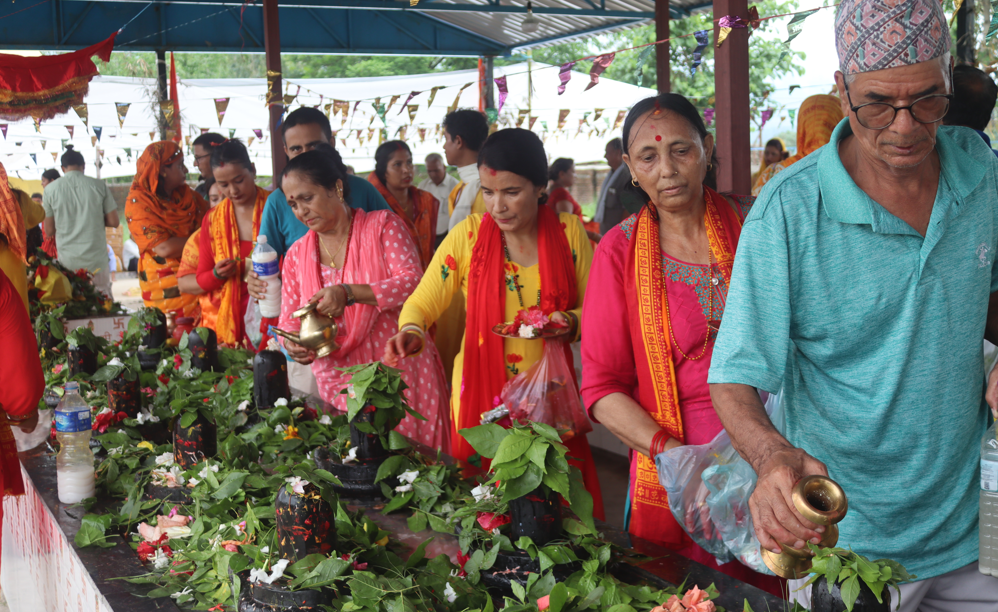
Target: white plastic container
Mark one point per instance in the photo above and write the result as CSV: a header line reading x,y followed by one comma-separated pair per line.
x,y
267,268
75,461
988,558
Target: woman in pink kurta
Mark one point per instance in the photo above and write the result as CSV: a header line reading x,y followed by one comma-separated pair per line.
x,y
360,268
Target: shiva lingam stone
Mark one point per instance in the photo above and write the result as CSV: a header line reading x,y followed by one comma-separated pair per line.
x,y
822,501
318,332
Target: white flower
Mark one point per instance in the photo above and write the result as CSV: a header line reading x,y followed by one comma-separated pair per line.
x,y
527,331
190,373
265,550
297,484
280,429
260,575
160,560
239,529
146,416
325,420
351,392
178,532
116,362
177,474
403,488
193,482
351,456
114,451
281,402
106,410
409,476
483,492
221,527
449,593
243,406
179,594
204,471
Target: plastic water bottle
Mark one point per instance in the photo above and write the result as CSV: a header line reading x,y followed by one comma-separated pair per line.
x,y
266,266
75,461
988,559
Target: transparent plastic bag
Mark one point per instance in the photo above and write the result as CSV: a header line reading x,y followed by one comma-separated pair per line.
x,y
546,393
709,486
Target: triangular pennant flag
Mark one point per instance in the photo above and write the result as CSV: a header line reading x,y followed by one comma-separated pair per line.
x,y
343,141
402,132
422,134
55,157
753,17
766,116
793,113
168,111
152,135
725,25
520,116
232,133
564,75
122,108
381,110
399,131
457,98
97,131
259,133
220,105
204,130
407,100
491,115
703,39
433,94
288,99
793,30
391,103
585,117
70,129
600,64
792,88
38,125
3,128
642,59
249,141
503,92
327,108
562,115
619,119
63,143
598,113
33,158
44,142
530,124
187,141
93,141
412,111
708,116
82,112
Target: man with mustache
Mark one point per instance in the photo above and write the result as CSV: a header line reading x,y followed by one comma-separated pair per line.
x,y
862,287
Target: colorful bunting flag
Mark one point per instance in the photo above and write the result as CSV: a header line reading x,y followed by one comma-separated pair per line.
x,y
232,133
327,108
152,135
794,29
433,94
993,28
412,111
203,131
259,133
793,114
3,128
619,119
220,105
122,108
391,103
645,54
792,88
44,142
726,24
97,131
565,75
703,39
503,92
38,125
55,157
491,115
381,111
422,134
562,116
33,158
766,116
288,99
93,141
520,116
708,116
187,141
407,100
530,124
600,64
457,98
69,129
82,112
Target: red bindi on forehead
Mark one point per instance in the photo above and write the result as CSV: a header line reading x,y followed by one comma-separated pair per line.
x,y
492,171
658,138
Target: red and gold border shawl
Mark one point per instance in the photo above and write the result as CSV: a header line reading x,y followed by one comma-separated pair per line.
x,y
648,318
224,236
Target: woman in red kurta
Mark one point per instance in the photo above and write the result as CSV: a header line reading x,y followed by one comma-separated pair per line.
x,y
562,177
648,333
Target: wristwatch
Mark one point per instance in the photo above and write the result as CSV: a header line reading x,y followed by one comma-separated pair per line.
x,y
351,300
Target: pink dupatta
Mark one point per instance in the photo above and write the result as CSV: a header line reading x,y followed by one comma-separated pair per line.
x,y
357,320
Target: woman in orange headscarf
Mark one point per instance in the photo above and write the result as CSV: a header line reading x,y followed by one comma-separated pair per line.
x,y
162,211
816,119
418,209
227,236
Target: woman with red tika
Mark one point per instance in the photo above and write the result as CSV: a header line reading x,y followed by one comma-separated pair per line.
x,y
418,209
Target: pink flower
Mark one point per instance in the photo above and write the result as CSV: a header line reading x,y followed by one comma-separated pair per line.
x,y
150,533
490,520
543,602
231,548
694,597
165,522
534,317
148,391
57,369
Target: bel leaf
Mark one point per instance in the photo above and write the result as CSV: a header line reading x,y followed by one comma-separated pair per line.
x,y
485,439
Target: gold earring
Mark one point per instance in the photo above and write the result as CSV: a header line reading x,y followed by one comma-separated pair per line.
x,y
710,166
634,182
339,192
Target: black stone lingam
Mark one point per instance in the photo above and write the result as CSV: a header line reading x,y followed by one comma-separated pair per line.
x,y
195,443
204,353
153,338
82,360
270,378
123,396
824,599
357,478
306,523
262,597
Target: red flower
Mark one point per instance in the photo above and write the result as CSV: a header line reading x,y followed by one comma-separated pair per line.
x,y
461,561
491,520
230,379
177,360
163,378
357,566
43,271
310,414
514,358
450,262
106,418
511,267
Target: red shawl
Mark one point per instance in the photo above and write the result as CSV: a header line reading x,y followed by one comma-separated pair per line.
x,y
484,367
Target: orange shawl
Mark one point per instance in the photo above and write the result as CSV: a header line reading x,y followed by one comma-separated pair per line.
x,y
153,220
816,121
424,227
204,313
11,219
224,240
648,316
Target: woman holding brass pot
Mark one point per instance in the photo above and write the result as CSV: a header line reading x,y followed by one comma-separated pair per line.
x,y
357,268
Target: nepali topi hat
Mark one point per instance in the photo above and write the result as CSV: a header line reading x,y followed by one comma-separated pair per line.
x,y
879,34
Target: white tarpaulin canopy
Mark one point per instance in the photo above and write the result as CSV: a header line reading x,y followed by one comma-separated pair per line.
x,y
587,117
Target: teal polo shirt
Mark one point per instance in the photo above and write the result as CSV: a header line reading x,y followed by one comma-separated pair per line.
x,y
875,333
282,228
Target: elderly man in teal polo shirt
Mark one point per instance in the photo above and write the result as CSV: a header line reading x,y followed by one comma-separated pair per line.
x,y
861,287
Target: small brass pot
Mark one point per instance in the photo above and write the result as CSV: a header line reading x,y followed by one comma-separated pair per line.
x,y
822,501
318,332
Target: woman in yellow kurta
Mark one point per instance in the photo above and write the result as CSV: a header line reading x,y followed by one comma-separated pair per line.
x,y
517,255
17,211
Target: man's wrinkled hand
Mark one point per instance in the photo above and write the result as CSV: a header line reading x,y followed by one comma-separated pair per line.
x,y
774,516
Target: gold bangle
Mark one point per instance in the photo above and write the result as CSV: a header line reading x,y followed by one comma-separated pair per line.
x,y
14,419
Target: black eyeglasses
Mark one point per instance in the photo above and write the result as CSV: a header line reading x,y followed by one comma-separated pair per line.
x,y
880,115
198,158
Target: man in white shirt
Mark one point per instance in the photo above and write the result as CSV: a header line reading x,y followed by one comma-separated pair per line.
x,y
465,132
440,184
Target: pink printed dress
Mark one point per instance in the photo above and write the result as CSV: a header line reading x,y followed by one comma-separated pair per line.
x,y
381,254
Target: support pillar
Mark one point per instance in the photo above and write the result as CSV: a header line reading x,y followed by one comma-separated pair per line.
x,y
731,92
966,50
662,70
488,93
163,92
275,99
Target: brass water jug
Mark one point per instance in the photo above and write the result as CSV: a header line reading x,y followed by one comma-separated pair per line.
x,y
822,501
318,332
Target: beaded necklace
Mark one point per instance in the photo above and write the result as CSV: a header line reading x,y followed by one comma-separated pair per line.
x,y
515,278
